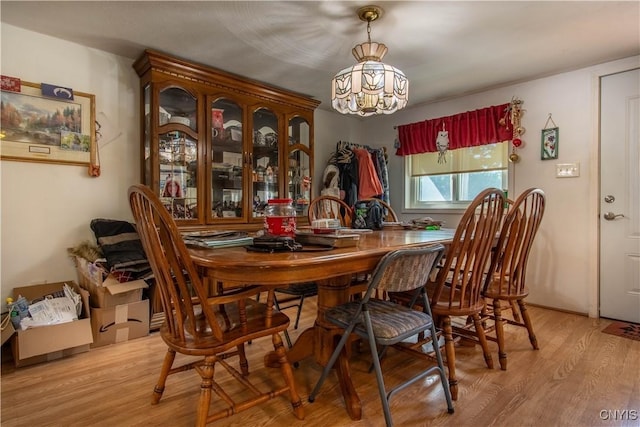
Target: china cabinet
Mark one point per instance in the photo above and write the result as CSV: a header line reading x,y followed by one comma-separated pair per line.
x,y
216,146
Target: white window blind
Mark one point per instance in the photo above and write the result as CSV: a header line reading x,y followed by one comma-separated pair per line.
x,y
482,158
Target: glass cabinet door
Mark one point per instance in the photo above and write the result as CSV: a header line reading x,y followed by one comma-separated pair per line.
x,y
227,160
177,106
264,159
299,165
178,152
146,140
178,179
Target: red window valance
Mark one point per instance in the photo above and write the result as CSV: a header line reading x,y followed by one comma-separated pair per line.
x,y
479,127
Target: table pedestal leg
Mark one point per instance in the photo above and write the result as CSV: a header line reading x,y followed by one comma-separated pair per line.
x,y
351,398
321,339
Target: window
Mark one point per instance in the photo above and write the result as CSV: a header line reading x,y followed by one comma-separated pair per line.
x,y
457,179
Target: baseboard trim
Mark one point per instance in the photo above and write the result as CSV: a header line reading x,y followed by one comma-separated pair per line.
x,y
562,310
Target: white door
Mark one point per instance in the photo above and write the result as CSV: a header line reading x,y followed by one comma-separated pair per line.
x,y
620,196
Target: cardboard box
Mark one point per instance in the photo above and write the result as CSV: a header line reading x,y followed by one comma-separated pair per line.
x,y
8,330
46,343
48,357
107,292
120,323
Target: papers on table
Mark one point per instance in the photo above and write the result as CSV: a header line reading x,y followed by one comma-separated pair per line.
x,y
217,239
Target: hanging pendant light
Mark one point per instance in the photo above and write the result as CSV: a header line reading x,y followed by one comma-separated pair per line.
x,y
369,87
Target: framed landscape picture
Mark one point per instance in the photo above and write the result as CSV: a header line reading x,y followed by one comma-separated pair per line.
x,y
35,128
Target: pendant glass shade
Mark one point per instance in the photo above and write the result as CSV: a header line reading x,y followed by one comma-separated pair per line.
x,y
368,88
371,86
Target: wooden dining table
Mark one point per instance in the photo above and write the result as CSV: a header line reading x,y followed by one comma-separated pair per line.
x,y
332,270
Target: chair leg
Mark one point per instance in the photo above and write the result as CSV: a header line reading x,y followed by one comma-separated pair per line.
x,y
435,343
331,362
451,356
295,326
206,373
484,315
164,373
499,325
443,377
286,333
527,322
380,355
482,338
376,364
287,373
288,339
244,363
514,311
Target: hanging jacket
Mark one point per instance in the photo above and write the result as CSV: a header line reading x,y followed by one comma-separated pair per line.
x,y
368,182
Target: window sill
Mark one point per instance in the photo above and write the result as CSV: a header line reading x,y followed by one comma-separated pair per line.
x,y
457,210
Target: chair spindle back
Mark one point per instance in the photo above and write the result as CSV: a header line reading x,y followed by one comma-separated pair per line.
x,y
329,207
460,278
176,277
509,263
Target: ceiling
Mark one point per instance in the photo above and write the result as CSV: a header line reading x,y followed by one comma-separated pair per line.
x,y
446,48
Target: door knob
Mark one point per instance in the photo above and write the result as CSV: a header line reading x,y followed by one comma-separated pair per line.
x,y
610,216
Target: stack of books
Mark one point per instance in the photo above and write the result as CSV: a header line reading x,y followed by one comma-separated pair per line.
x,y
217,239
338,239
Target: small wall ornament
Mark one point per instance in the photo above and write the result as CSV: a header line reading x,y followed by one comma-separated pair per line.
x,y
550,140
442,144
512,115
518,130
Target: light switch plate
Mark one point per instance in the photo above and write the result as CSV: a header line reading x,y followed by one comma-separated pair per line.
x,y
567,170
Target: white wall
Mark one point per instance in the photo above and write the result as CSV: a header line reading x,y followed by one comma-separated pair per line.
x,y
563,265
47,208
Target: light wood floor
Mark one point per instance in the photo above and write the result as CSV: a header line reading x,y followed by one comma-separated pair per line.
x,y
577,373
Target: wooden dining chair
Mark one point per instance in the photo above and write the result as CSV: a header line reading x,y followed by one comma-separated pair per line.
x,y
504,288
211,328
330,207
384,323
505,285
455,292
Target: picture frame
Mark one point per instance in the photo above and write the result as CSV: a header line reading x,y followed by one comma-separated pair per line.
x,y
550,143
36,128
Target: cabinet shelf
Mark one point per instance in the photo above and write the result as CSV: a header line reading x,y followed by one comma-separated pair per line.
x,y
223,146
